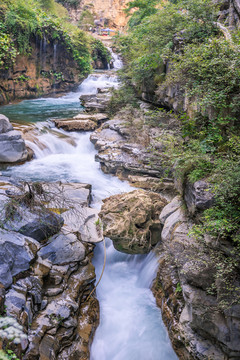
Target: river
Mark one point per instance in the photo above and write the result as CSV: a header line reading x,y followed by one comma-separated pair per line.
x,y
130,322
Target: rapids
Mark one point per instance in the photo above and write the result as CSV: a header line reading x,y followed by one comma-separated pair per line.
x,y
130,322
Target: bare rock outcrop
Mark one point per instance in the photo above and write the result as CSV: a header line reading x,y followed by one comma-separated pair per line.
x,y
48,284
132,220
202,322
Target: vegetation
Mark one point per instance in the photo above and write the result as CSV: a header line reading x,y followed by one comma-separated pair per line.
x,y
178,43
22,22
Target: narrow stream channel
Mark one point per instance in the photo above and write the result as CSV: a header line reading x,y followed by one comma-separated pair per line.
x,y
130,322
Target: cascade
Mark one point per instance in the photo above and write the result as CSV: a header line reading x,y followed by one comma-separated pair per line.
x,y
130,322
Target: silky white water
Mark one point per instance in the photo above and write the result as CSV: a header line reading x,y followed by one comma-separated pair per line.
x,y
130,322
131,326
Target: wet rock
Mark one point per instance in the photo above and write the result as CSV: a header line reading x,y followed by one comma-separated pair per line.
x,y
171,222
44,227
24,298
62,249
96,103
16,254
153,184
127,147
12,146
184,290
198,196
132,220
91,229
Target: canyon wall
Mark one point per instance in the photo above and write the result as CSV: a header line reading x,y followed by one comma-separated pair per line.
x,y
49,69
111,12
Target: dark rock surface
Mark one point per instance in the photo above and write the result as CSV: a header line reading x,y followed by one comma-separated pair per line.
x,y
199,326
17,252
44,227
48,285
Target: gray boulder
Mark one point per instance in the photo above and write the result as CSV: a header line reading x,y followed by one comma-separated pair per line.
x,y
63,249
12,146
16,254
5,124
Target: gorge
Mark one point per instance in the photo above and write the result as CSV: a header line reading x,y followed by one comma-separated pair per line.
x,y
146,158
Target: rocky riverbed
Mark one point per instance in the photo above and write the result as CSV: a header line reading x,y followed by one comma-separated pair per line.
x,y
47,283
46,266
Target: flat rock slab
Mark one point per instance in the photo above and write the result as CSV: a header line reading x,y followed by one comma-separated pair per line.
x,y
94,117
76,125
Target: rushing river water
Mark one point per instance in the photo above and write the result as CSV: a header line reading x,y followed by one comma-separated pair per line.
x,y
130,322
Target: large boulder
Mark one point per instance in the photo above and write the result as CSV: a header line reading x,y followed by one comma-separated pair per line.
x,y
16,254
132,220
12,146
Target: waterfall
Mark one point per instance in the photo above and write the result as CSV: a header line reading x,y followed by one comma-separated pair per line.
x,y
55,56
44,52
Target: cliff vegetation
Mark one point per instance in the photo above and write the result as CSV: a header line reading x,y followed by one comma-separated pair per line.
x,y
179,48
41,51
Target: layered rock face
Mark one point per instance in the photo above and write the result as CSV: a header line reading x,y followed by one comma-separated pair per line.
x,y
46,271
50,69
12,146
129,148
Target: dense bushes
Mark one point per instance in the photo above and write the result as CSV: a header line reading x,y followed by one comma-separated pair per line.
x,y
180,44
23,20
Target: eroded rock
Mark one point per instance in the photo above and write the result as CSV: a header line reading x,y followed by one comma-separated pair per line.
x,y
132,220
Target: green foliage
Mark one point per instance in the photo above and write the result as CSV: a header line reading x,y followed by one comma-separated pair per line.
x,y
21,21
122,97
99,51
144,8
70,3
86,20
182,36
178,289
150,43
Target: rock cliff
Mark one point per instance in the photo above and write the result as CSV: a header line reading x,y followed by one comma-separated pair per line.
x,y
49,69
109,12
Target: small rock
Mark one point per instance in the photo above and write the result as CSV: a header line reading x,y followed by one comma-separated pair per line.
x,y
5,124
44,227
